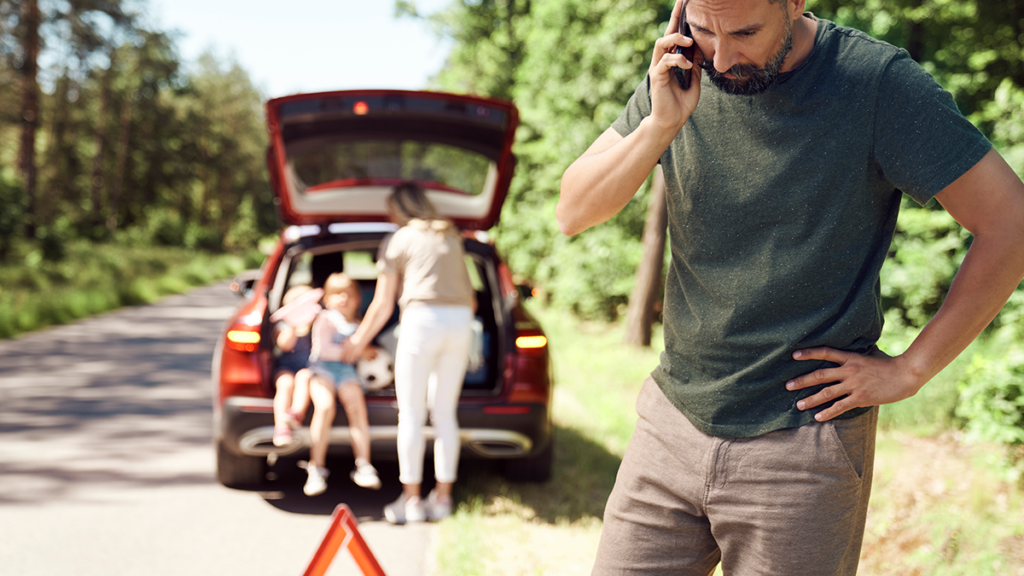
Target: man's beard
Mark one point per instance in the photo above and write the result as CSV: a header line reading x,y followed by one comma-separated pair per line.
x,y
751,79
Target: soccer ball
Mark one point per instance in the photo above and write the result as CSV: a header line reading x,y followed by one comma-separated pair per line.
x,y
379,372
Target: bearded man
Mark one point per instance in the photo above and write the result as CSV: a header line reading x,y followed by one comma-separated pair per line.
x,y
785,163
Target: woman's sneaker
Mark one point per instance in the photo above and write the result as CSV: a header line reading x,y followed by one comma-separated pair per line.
x,y
438,508
316,482
405,510
365,475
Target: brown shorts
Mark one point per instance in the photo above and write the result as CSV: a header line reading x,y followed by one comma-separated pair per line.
x,y
788,503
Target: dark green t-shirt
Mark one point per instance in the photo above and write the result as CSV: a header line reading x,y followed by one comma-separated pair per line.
x,y
781,209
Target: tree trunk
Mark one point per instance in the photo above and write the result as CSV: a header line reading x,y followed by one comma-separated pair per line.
x,y
122,157
100,141
647,289
30,21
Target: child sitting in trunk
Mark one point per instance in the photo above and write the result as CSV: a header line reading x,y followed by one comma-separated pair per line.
x,y
291,375
332,377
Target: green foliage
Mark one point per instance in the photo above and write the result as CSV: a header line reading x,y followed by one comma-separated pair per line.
x,y
93,278
926,251
131,134
570,66
992,403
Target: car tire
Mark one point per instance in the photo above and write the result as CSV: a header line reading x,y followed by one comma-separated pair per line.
x,y
532,469
241,472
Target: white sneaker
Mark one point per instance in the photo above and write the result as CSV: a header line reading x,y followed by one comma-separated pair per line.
x,y
438,508
365,475
405,510
316,482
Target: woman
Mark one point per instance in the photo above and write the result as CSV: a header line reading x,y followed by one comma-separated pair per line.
x,y
423,264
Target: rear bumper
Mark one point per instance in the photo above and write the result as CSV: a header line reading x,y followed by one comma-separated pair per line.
x,y
246,427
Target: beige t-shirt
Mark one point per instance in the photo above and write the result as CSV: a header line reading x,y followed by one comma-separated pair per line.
x,y
430,266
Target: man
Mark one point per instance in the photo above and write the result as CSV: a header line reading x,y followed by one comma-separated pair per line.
x,y
784,170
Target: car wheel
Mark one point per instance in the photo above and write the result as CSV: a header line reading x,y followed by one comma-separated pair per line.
x,y
532,469
242,472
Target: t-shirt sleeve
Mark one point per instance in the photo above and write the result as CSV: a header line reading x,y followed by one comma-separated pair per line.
x,y
388,255
638,108
922,141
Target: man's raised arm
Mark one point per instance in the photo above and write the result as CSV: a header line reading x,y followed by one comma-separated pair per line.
x,y
602,181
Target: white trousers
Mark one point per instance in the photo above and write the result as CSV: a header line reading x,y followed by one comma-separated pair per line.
x,y
430,365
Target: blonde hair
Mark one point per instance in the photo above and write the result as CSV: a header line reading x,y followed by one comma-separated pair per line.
x,y
340,282
294,292
409,206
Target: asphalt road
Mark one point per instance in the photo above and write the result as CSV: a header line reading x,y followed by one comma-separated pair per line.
x,y
106,461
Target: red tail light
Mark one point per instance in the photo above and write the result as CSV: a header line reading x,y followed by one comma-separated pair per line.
x,y
530,380
244,339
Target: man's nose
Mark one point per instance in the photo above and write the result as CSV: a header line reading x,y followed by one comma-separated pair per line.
x,y
725,56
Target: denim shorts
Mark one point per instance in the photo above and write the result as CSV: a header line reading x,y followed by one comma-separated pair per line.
x,y
337,372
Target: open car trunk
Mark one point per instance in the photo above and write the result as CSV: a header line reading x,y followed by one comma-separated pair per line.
x,y
311,259
335,156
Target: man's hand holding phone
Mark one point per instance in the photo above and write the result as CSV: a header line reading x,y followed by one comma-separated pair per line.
x,y
675,75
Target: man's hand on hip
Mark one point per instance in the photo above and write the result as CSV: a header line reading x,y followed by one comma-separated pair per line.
x,y
858,380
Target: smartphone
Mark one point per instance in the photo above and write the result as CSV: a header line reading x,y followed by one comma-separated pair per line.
x,y
683,74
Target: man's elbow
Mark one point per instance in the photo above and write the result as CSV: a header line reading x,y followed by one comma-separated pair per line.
x,y
567,224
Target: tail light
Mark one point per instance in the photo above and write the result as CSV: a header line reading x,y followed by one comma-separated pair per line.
x,y
532,345
241,372
244,339
530,378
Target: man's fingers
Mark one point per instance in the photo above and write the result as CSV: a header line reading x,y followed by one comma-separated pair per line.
x,y
667,44
673,22
823,353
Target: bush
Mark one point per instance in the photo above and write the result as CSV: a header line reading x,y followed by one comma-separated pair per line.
x,y
166,228
204,238
992,402
53,239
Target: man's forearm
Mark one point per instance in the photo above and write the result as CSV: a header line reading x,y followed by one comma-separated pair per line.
x,y
602,181
990,272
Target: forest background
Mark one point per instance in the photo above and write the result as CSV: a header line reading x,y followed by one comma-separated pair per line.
x,y
120,157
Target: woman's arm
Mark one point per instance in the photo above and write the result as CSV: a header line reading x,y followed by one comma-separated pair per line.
x,y
377,316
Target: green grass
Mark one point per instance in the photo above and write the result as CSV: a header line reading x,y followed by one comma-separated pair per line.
x,y
939,505
95,278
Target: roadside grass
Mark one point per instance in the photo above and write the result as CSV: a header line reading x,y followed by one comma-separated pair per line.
x,y
95,278
940,506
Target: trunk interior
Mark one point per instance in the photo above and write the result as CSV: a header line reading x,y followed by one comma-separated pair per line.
x,y
311,260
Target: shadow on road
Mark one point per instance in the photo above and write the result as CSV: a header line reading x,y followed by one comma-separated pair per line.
x,y
284,490
583,476
120,400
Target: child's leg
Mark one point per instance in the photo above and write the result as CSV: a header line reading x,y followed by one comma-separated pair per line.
x,y
285,384
354,402
321,392
300,398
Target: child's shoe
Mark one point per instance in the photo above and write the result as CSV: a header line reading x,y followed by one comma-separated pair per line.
x,y
282,434
405,510
316,482
438,508
365,475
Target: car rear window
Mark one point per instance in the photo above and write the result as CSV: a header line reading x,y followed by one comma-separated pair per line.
x,y
339,164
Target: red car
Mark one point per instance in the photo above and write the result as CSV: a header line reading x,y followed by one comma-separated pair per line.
x,y
333,159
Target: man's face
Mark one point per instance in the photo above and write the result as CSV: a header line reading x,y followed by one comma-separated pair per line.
x,y
744,42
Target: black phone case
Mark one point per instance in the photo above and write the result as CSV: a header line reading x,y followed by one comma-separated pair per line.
x,y
683,74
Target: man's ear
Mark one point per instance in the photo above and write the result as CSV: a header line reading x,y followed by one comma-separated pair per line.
x,y
795,9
